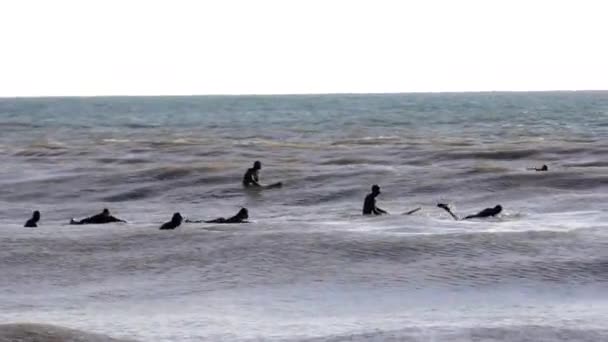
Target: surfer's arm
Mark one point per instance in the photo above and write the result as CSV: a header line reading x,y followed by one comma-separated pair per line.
x,y
254,181
115,219
381,211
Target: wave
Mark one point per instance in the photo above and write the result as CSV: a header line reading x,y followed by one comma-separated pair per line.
x,y
132,195
588,164
490,155
347,161
10,126
123,161
555,180
274,143
326,197
458,260
30,332
513,333
368,141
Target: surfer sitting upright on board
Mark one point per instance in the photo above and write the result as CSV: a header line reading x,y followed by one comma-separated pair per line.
x,y
251,178
369,205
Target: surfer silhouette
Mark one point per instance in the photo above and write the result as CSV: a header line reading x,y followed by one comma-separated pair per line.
x,y
488,212
176,220
369,204
240,217
251,178
33,221
542,168
103,217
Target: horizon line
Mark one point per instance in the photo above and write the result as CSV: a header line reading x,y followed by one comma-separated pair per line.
x,y
305,94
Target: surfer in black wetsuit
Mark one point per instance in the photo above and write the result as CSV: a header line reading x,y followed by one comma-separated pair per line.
x,y
542,168
251,177
240,217
176,220
369,205
33,222
104,217
487,212
484,213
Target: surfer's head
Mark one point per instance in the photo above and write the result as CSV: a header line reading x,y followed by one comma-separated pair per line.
x,y
497,209
375,189
257,165
106,212
36,216
177,218
243,213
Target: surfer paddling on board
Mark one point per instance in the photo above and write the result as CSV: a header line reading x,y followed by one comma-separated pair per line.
x,y
542,168
251,178
369,205
487,212
103,217
240,217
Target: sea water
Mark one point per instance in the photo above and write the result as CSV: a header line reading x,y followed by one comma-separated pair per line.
x,y
308,267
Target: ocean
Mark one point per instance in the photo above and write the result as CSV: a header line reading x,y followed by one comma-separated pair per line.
x,y
309,266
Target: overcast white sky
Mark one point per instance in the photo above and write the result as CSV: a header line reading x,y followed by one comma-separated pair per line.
x,y
131,47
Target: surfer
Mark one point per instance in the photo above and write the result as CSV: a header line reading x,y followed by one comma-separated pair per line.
x,y
176,220
251,178
32,222
369,205
542,168
487,212
240,217
104,217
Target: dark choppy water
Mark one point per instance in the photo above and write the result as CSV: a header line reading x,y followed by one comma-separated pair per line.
x,y
309,268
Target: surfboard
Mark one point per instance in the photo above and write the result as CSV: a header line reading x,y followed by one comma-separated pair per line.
x,y
411,211
274,186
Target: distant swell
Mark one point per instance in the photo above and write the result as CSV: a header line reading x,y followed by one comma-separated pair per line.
x,y
516,333
491,155
563,180
29,332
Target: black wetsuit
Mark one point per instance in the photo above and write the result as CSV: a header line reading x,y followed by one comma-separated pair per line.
x,y
485,213
240,217
251,177
369,205
233,219
98,219
171,224
31,223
